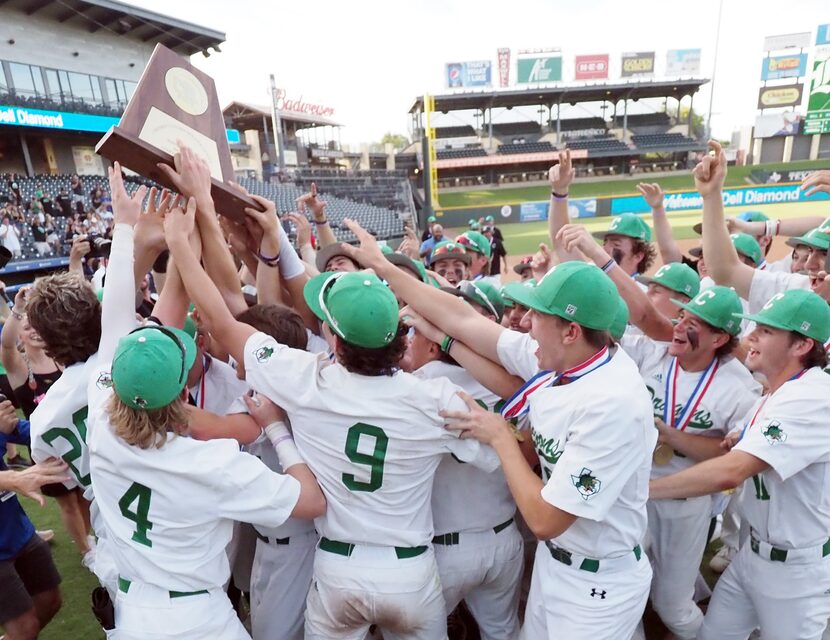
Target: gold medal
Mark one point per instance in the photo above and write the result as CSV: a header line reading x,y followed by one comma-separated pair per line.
x,y
662,455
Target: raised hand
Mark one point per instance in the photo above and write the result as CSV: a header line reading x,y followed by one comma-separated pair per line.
x,y
126,209
561,175
368,253
191,176
310,199
412,319
575,236
180,221
303,227
485,426
541,262
652,193
710,173
815,182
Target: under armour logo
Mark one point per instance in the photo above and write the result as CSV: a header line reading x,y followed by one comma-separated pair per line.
x,y
598,594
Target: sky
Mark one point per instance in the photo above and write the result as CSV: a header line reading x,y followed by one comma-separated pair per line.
x,y
369,59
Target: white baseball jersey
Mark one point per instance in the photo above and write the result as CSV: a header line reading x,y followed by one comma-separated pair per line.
x,y
789,504
595,437
781,266
517,353
217,388
372,442
727,399
465,498
169,511
766,283
59,423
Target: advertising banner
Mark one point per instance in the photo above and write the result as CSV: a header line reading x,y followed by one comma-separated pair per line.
x,y
538,211
477,73
682,62
539,70
637,64
777,67
734,197
823,34
818,104
591,67
504,67
787,41
777,124
782,96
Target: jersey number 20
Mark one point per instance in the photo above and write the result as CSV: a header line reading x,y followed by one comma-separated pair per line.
x,y
76,451
373,460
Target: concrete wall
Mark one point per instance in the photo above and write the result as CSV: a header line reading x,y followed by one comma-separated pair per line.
x,y
49,43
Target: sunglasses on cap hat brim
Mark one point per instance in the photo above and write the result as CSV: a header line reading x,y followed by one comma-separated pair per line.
x,y
471,290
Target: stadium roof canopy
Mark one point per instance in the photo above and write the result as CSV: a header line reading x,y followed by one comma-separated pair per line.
x,y
564,94
125,20
249,116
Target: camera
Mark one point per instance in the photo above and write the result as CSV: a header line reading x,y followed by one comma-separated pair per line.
x,y
99,246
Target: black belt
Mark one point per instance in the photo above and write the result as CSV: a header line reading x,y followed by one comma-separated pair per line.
x,y
347,548
449,539
268,540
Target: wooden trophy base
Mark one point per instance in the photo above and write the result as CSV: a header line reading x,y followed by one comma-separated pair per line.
x,y
141,157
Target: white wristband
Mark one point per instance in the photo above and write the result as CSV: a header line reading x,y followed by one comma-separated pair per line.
x,y
277,432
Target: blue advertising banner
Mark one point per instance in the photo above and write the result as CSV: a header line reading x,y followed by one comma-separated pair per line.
x,y
737,197
65,121
823,34
538,211
469,74
777,67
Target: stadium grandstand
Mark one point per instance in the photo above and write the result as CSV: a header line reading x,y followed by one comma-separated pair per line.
x,y
68,68
635,132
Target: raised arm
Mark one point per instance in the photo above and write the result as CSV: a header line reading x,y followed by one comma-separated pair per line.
x,y
560,177
118,305
232,335
669,249
325,235
486,372
792,227
13,361
450,314
192,178
722,260
642,313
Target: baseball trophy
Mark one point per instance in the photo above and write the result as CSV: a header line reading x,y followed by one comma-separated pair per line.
x,y
175,102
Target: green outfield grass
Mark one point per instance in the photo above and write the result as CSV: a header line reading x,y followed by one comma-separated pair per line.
x,y
682,181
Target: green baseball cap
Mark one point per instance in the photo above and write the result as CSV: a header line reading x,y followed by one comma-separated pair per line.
x,y
627,224
507,302
747,246
575,291
818,238
475,241
716,306
385,249
489,219
676,276
431,219
357,306
150,366
797,310
190,327
508,290
620,322
449,249
483,294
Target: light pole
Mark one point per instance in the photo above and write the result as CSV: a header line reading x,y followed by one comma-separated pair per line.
x,y
714,70
276,125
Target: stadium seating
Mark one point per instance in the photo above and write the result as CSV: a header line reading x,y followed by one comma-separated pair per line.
x,y
501,129
661,140
470,152
527,147
598,145
73,106
454,132
576,124
646,120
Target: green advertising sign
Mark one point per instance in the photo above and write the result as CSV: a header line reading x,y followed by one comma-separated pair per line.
x,y
539,70
818,106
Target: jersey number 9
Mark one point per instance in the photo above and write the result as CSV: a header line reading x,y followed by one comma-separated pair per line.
x,y
373,460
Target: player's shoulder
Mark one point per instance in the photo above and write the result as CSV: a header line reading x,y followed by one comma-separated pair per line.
x,y
457,376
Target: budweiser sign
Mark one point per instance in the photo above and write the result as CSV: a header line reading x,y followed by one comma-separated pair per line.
x,y
300,106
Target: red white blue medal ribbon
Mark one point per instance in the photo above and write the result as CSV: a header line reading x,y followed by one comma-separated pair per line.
x,y
518,405
689,407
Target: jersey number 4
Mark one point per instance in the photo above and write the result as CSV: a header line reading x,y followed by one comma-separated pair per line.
x,y
141,495
76,450
374,459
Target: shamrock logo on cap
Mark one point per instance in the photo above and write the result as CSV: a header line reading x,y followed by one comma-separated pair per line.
x,y
139,402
